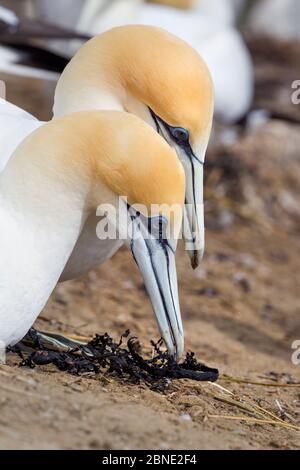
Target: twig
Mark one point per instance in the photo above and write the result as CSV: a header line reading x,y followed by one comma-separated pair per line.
x,y
236,403
246,404
284,413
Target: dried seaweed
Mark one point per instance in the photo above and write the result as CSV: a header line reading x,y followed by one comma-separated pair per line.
x,y
103,355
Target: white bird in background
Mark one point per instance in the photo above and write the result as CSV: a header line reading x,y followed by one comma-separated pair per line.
x,y
9,57
277,18
35,48
50,185
225,11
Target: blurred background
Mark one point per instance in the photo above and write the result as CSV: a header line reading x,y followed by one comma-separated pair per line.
x,y
241,308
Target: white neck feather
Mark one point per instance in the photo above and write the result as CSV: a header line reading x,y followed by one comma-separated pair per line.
x,y
86,98
81,94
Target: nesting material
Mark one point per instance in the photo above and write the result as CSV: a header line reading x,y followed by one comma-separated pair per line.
x,y
102,355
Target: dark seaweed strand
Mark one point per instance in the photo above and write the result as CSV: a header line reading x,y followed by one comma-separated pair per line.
x,y
103,355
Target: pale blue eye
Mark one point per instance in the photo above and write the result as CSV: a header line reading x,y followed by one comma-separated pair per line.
x,y
180,134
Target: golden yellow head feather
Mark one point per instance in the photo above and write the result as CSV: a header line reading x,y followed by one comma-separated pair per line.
x,y
153,66
110,147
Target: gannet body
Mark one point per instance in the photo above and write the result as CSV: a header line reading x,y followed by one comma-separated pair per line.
x,y
55,179
16,124
285,23
227,11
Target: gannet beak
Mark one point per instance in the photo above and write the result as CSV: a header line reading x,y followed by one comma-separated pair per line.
x,y
156,261
193,221
157,266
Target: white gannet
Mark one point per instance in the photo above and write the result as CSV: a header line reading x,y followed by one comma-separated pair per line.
x,y
157,76
9,58
224,11
277,18
50,185
209,29
151,73
25,42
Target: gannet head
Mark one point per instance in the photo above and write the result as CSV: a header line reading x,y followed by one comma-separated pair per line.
x,y
137,183
157,76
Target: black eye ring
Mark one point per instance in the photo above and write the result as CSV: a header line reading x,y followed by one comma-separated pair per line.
x,y
180,134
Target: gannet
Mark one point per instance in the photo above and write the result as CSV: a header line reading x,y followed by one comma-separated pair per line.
x,y
225,11
285,19
55,179
25,41
151,73
157,76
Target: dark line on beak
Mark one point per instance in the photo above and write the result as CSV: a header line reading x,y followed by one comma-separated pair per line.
x,y
189,151
162,296
170,286
160,291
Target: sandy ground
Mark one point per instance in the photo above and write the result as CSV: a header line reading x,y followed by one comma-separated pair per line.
x,y
241,314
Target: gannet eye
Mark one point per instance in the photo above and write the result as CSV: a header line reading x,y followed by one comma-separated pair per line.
x,y
180,134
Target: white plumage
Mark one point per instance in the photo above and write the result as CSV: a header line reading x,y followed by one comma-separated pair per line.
x,y
15,125
278,18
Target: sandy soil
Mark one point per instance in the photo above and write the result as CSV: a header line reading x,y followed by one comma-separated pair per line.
x,y
241,314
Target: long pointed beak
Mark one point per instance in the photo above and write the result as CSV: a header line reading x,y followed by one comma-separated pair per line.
x,y
193,221
156,261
